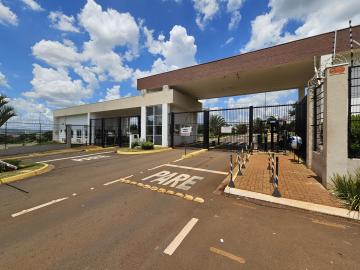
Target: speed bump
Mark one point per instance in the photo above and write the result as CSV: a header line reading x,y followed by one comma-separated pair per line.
x,y
146,186
154,188
140,184
188,197
162,190
170,192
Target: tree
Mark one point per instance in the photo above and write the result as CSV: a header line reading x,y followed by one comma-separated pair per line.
x,y
241,129
6,111
215,124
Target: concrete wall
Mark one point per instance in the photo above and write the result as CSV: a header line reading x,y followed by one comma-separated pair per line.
x,y
333,158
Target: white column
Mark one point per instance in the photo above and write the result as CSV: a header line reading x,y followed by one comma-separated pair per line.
x,y
143,123
301,93
335,122
165,124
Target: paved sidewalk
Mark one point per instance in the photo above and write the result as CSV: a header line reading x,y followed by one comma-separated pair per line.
x,y
296,181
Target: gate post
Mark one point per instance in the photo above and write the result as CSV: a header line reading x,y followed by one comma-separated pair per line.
x,y
206,129
90,132
68,129
251,126
172,129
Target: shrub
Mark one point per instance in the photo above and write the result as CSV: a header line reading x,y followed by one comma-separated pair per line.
x,y
134,144
347,188
147,145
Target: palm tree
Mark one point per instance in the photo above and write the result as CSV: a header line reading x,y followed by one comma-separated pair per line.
x,y
215,124
6,111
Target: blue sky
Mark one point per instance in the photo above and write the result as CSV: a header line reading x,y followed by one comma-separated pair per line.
x,y
57,54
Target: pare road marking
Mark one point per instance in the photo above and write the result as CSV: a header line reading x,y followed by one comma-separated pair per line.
x,y
189,168
180,237
173,179
90,158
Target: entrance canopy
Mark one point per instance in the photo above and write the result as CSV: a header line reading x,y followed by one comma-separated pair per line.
x,y
281,67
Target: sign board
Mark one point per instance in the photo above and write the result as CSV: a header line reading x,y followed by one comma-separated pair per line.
x,y
227,129
337,70
185,131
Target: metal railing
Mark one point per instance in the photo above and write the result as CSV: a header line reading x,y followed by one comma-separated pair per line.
x,y
354,112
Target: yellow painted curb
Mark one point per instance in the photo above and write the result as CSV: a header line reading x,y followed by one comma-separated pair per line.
x,y
199,200
143,152
179,194
188,197
193,154
44,169
170,192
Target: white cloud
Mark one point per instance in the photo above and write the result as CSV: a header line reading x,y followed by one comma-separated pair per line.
x,y
29,109
209,103
7,16
112,93
228,41
273,98
315,17
233,7
63,22
108,29
32,4
3,81
177,52
56,87
205,11
98,60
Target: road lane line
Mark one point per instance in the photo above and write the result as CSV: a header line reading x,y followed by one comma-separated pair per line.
x,y
118,180
227,255
196,169
88,155
157,167
38,207
180,237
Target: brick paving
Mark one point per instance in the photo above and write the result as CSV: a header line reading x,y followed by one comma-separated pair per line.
x,y
296,181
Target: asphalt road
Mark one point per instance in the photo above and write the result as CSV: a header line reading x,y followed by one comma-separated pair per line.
x,y
77,217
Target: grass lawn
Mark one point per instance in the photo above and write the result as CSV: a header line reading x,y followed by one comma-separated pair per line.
x,y
23,168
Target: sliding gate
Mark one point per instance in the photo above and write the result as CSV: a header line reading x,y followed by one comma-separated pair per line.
x,y
263,127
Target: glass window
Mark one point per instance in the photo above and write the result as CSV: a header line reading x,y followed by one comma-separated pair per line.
x,y
78,133
154,124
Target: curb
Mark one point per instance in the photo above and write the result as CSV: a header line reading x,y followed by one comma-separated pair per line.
x,y
317,208
143,152
193,154
94,149
46,168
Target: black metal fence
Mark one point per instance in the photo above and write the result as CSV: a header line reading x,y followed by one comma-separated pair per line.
x,y
318,101
354,112
262,127
18,134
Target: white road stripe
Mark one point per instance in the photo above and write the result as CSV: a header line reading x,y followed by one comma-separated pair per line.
x,y
157,167
196,169
180,237
118,180
44,161
38,207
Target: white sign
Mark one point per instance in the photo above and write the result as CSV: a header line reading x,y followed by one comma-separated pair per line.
x,y
180,181
185,131
90,158
226,129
